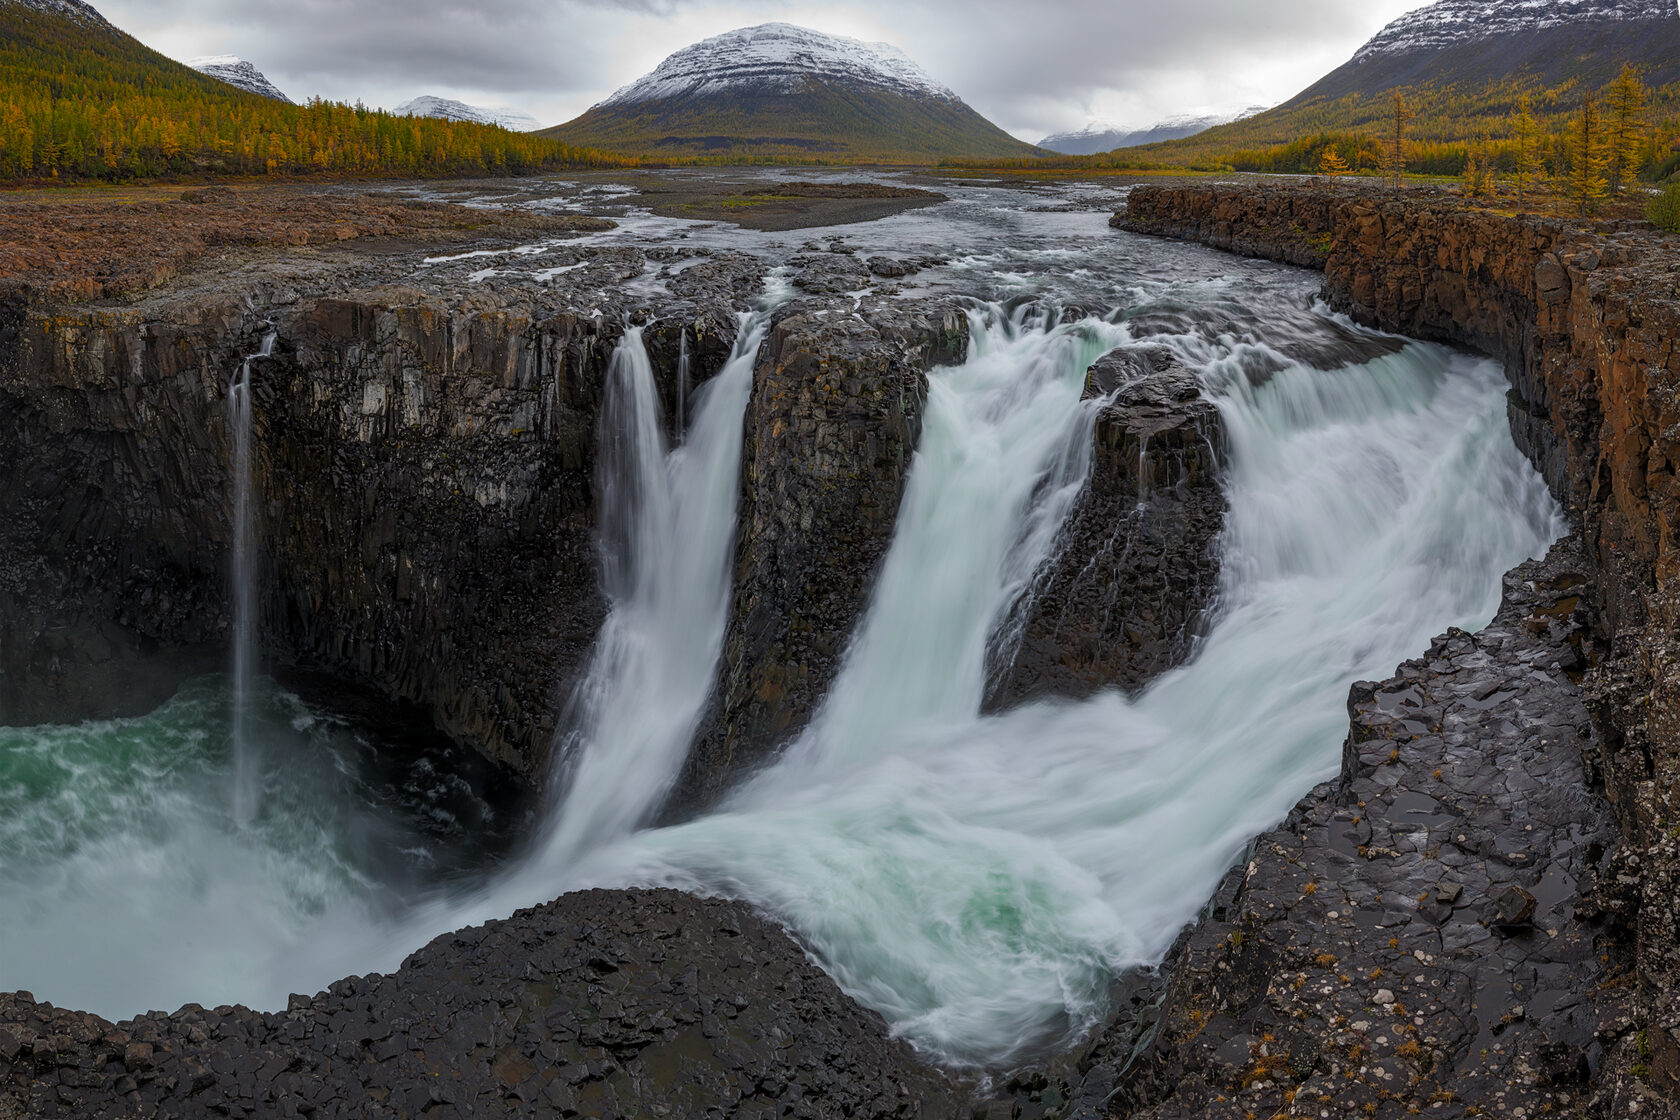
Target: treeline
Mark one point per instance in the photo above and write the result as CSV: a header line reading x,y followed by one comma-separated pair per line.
x,y
88,102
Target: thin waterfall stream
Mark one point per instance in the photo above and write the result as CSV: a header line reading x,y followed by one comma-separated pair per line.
x,y
247,761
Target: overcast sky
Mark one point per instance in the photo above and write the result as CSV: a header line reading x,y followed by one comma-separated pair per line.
x,y
1032,67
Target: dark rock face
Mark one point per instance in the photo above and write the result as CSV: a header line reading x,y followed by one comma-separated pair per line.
x,y
1351,965
831,429
113,525
425,499
430,506
602,1005
1586,323
1138,565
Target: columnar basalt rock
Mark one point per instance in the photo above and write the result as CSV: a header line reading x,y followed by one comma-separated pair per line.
x,y
113,527
1138,565
831,429
601,1004
1586,321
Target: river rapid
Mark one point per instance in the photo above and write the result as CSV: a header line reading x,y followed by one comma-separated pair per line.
x,y
976,878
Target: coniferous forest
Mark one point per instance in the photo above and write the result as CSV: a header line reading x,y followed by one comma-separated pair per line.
x,y
85,101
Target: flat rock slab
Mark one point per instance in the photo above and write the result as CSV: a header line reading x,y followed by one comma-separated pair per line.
x,y
601,1004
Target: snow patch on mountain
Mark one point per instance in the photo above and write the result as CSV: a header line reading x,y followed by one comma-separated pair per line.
x,y
780,58
444,108
1102,137
235,71
1449,22
70,9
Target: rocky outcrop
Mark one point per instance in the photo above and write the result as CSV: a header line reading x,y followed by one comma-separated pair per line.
x,y
1137,566
1585,320
831,429
601,1004
1294,227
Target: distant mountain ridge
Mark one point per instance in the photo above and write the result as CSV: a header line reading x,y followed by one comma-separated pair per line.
x,y
777,90
445,109
1097,138
235,71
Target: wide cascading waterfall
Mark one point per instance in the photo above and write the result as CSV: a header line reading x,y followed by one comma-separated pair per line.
x,y
978,880
247,761
668,531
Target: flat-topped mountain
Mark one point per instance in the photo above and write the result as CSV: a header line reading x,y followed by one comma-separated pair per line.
x,y
446,109
1096,138
235,71
777,89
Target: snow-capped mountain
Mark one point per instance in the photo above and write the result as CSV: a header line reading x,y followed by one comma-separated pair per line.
x,y
779,57
1096,138
1451,22
427,106
70,9
235,71
784,91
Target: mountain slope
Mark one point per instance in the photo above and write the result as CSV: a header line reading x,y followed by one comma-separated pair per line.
x,y
238,73
780,90
444,109
1463,64
78,98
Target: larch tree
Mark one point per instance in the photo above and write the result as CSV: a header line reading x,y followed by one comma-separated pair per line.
x,y
1624,128
1525,136
1587,159
1331,163
1394,154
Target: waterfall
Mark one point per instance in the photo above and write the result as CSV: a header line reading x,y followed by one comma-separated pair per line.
x,y
247,763
979,879
682,384
668,534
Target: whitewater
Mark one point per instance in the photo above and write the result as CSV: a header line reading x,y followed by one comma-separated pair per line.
x,y
977,878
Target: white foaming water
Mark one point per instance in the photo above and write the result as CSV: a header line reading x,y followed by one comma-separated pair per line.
x,y
247,765
668,541
124,883
977,880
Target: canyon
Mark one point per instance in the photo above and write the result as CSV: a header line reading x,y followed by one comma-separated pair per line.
x,y
1491,871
